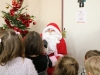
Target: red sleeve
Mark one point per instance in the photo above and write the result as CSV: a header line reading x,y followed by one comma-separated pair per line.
x,y
61,47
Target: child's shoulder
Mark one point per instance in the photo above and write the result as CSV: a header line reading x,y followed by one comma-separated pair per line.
x,y
83,72
24,60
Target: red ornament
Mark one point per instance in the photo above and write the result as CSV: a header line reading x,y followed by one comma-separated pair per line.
x,y
13,2
27,15
34,23
15,9
7,21
25,32
16,29
18,5
27,24
12,12
30,20
21,0
19,30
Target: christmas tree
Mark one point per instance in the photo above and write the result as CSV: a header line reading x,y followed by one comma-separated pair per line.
x,y
15,19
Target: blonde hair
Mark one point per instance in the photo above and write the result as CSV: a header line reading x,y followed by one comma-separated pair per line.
x,y
92,65
66,66
11,46
91,53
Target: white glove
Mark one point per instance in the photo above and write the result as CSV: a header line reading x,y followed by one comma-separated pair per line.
x,y
53,60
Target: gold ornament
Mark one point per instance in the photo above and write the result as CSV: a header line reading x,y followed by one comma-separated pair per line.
x,y
3,17
64,33
7,6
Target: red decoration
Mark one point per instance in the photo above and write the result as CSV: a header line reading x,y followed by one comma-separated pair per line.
x,y
34,23
23,19
12,12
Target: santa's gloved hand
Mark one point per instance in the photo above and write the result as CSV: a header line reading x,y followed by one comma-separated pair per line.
x,y
56,54
53,60
59,56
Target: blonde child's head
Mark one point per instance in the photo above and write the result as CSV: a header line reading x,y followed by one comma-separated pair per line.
x,y
91,53
92,65
66,66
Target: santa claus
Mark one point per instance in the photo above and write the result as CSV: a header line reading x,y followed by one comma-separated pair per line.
x,y
56,43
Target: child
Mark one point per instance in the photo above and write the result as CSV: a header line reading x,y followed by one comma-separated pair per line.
x,y
89,54
12,61
34,49
92,65
66,66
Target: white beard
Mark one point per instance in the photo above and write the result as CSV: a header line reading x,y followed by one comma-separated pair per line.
x,y
53,40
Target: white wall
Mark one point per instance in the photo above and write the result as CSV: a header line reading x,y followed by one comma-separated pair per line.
x,y
3,8
46,11
82,37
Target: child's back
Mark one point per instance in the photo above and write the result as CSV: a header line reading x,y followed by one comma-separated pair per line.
x,y
18,66
34,49
12,56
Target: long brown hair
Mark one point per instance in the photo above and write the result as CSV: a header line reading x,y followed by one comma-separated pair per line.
x,y
66,66
11,46
33,44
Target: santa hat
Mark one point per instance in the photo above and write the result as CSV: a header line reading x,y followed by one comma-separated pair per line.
x,y
53,26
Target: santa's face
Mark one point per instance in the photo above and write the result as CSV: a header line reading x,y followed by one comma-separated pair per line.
x,y
50,31
51,36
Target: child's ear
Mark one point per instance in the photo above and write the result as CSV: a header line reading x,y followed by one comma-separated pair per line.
x,y
89,73
84,60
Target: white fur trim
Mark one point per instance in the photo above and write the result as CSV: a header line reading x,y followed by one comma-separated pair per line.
x,y
54,29
53,59
60,55
0,40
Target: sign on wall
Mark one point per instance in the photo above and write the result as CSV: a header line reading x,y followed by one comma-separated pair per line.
x,y
81,16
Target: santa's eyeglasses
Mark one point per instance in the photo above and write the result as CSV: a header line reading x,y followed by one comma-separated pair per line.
x,y
50,30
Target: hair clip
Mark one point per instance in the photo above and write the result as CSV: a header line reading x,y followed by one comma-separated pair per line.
x,y
0,40
17,32
73,64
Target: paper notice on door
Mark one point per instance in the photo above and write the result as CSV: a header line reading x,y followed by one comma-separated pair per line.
x,y
81,16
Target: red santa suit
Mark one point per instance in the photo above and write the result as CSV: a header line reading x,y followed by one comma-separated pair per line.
x,y
58,50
